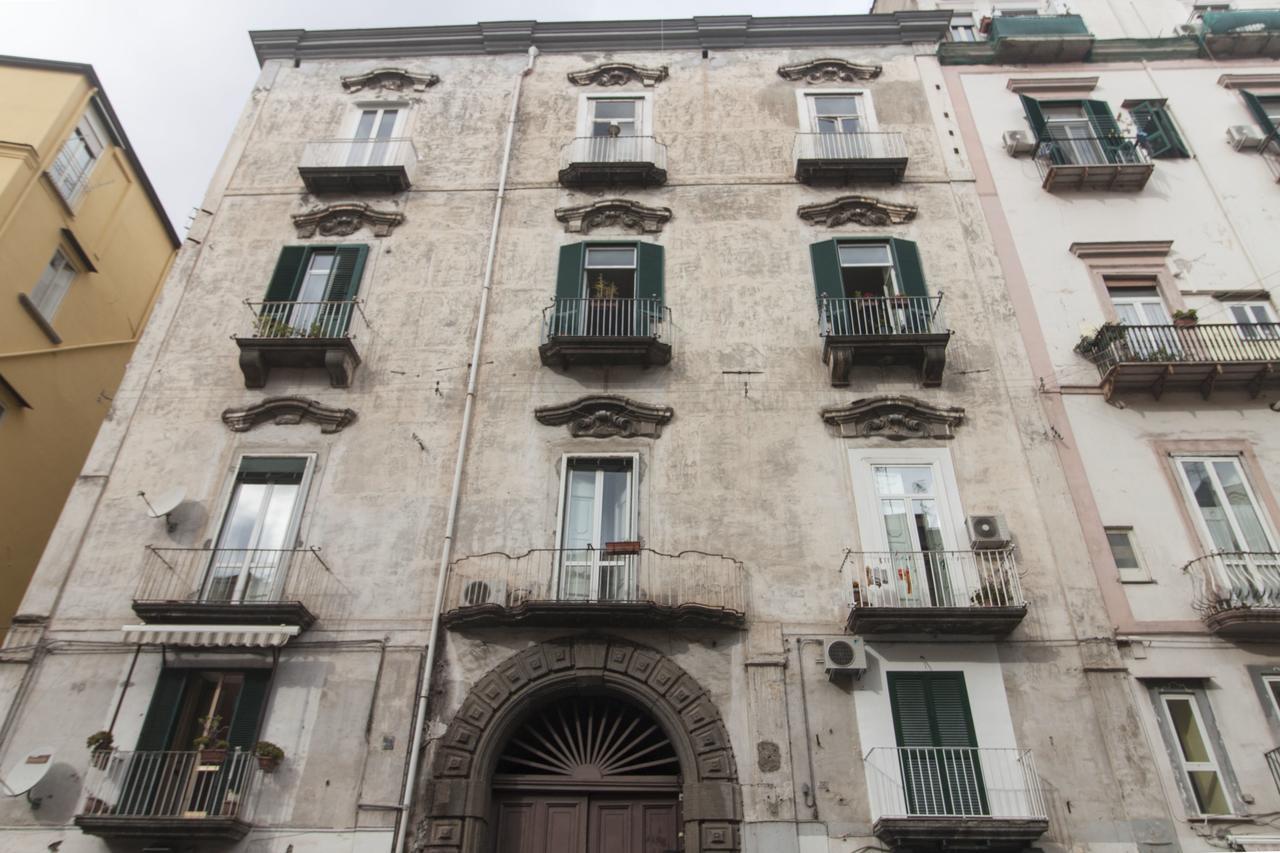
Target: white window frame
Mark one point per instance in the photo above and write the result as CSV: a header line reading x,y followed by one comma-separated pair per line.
x,y
229,486
49,292
867,501
1215,764
1206,538
351,120
644,122
632,498
1267,682
1248,331
1139,573
865,103
93,130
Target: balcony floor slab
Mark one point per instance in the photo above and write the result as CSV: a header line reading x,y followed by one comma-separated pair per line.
x,y
842,171
1106,177
928,352
597,614
580,175
1245,623
565,351
929,833
224,613
163,828
1156,377
259,355
984,621
349,179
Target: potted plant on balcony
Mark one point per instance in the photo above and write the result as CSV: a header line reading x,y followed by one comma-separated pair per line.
x,y
1186,317
1095,342
269,755
212,747
990,594
100,745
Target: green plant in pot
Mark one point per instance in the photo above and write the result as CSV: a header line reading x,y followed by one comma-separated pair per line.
x,y
100,745
269,755
1185,317
211,745
1100,339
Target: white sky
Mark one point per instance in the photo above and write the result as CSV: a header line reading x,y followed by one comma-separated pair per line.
x,y
179,71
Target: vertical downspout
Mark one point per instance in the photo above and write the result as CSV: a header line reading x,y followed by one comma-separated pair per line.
x,y
446,550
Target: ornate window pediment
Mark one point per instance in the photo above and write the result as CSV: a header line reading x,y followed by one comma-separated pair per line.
x,y
829,71
288,410
618,74
389,80
618,212
606,416
856,210
894,417
341,220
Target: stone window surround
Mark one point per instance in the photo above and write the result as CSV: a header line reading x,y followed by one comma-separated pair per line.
x,y
866,107
1128,260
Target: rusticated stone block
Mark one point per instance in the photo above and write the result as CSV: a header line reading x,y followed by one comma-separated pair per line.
x,y
535,663
642,664
559,656
590,654
685,691
710,738
618,658
462,736
715,765
700,713
719,836
492,690
664,676
475,712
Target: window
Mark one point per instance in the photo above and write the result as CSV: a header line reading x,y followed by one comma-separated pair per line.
x,y
836,113
963,28
1272,685
609,272
1125,552
250,559
1265,110
1137,305
1254,319
1077,133
52,287
871,286
609,289
1227,512
937,744
73,165
312,291
597,509
1156,129
374,134
616,116
1182,717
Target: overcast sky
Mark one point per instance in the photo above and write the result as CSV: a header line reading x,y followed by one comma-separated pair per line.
x,y
179,71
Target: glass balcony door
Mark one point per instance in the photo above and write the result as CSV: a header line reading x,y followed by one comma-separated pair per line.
x,y
370,143
597,511
835,118
1076,138
249,560
913,529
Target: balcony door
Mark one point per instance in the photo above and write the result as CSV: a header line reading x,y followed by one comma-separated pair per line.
x,y
596,510
614,128
251,557
937,745
371,139
1231,523
609,292
836,119
1255,322
1150,335
1074,134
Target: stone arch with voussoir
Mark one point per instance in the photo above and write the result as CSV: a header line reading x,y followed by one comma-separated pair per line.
x,y
457,807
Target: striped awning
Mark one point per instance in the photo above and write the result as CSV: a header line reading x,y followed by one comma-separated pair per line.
x,y
210,635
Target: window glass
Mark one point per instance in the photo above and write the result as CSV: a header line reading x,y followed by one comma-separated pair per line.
x,y
1272,683
1198,761
1125,554
249,562
1255,320
52,287
1139,306
866,270
597,512
614,116
864,254
610,272
836,113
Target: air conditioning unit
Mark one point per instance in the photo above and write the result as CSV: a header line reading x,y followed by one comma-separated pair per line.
x,y
476,593
1018,142
988,532
1190,28
1243,138
844,656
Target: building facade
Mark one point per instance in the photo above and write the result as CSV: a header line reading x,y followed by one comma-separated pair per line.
x,y
85,246
632,444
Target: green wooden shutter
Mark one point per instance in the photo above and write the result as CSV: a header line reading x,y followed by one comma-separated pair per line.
x,y
952,717
1254,103
1114,147
906,259
931,710
650,272
162,714
1157,130
564,315
909,702
288,274
829,283
1035,116
347,269
242,732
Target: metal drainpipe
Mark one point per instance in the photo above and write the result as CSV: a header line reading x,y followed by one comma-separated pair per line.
x,y
446,549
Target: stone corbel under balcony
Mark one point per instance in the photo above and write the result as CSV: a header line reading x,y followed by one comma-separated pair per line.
x,y
258,356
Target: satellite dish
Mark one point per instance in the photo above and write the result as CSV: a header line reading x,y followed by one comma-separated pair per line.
x,y
164,503
29,771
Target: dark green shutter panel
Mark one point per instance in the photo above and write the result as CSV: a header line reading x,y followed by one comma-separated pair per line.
x,y
906,259
931,709
953,720
909,702
1035,116
1157,130
649,271
1254,103
827,281
563,319
243,729
288,273
162,714
1103,120
348,266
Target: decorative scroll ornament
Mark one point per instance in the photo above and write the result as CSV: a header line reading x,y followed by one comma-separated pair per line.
x,y
894,417
341,220
606,416
288,410
829,71
613,211
618,74
389,80
856,210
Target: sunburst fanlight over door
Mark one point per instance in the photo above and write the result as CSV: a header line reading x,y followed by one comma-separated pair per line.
x,y
589,739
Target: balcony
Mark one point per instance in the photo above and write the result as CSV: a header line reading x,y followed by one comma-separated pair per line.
x,y
605,332
301,334
1237,593
955,798
938,592
1093,163
1203,357
1242,33
170,796
1273,764
1039,38
225,586
618,585
877,331
612,161
825,158
357,165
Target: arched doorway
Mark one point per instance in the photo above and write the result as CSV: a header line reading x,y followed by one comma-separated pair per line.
x,y
587,774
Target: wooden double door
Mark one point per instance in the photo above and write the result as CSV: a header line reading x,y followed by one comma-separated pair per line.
x,y
587,823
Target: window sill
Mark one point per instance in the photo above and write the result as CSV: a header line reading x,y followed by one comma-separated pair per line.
x,y
41,321
1219,818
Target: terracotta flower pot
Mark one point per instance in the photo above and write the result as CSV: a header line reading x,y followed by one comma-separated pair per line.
x,y
1184,322
268,763
213,756
630,546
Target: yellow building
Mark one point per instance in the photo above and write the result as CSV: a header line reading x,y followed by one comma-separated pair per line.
x,y
84,248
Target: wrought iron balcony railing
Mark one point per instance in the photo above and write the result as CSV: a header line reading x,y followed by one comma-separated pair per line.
x,y
170,794
619,584
1273,763
1093,163
879,145
881,316
592,160
606,318
306,320
1237,593
302,334
233,585
954,782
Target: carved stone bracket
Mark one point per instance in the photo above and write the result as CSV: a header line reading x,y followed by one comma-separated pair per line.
x,y
341,220
288,410
894,417
613,211
389,80
856,210
606,416
829,71
618,74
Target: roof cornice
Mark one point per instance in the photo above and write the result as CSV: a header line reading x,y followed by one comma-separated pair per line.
x,y
718,31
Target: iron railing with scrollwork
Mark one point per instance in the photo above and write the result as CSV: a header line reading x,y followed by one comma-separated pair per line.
x,y
1235,580
978,579
1201,343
